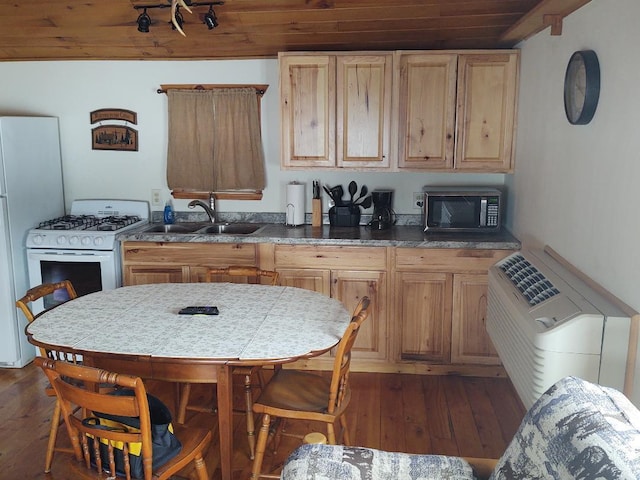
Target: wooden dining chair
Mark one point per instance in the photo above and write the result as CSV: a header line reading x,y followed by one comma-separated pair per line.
x,y
249,275
80,404
41,291
24,304
301,395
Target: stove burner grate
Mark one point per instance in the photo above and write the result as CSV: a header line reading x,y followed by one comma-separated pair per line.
x,y
86,222
70,222
117,222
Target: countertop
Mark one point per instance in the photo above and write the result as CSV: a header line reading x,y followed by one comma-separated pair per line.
x,y
397,236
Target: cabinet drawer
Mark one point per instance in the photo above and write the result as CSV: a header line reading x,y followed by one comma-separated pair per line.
x,y
447,260
332,257
189,254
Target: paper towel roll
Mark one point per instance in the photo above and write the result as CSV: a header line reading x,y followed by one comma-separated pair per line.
x,y
295,203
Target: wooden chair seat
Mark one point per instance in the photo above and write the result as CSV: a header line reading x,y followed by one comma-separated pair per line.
x,y
300,395
193,440
295,390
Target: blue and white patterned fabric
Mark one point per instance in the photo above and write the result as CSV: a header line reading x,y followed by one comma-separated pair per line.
x,y
320,462
576,430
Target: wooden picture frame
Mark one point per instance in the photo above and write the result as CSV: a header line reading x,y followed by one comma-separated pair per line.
x,y
114,114
114,137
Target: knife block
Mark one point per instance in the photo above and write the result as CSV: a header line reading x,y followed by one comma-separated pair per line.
x,y
316,212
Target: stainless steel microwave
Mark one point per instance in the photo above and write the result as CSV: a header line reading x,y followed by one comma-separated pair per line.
x,y
461,209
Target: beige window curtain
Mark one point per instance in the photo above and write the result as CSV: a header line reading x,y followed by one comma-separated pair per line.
x,y
215,142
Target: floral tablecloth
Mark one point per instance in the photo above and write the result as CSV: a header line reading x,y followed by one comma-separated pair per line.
x,y
255,322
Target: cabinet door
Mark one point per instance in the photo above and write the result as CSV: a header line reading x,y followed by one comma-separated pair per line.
x,y
470,342
307,96
145,274
426,93
423,311
349,287
363,97
487,88
309,279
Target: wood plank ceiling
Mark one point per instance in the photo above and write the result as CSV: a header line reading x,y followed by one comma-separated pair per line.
x,y
107,29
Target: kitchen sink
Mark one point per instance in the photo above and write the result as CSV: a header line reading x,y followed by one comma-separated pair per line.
x,y
205,228
231,228
173,228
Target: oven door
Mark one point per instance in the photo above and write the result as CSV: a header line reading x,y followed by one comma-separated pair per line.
x,y
89,271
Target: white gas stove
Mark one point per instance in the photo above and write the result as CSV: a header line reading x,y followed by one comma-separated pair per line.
x,y
91,225
82,246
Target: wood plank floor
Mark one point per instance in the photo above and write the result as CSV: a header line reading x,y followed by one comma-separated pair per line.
x,y
451,415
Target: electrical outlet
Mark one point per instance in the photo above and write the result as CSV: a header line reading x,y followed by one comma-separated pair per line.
x,y
418,200
156,197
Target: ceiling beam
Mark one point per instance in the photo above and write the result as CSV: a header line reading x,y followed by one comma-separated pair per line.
x,y
548,13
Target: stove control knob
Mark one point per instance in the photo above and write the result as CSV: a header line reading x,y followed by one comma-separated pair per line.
x,y
98,241
61,240
73,240
86,241
37,239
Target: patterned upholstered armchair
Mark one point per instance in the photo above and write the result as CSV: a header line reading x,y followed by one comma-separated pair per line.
x,y
576,430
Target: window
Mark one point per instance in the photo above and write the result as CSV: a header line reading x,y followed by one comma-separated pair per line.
x,y
215,143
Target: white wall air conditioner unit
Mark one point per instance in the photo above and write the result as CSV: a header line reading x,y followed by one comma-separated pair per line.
x,y
547,323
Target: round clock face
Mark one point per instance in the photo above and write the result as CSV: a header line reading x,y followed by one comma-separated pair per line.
x,y
582,87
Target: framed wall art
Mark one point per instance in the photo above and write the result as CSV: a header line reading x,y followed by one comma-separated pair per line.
x,y
113,136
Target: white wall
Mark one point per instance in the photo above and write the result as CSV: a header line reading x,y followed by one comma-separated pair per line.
x,y
70,90
576,188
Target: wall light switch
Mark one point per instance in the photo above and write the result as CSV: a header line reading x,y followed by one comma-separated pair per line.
x,y
156,197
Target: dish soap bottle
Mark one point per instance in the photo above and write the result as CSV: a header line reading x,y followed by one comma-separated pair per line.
x,y
169,217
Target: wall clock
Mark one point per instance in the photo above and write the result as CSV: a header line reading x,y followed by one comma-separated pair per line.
x,y
582,87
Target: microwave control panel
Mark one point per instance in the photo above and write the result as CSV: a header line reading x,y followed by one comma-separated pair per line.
x,y
493,206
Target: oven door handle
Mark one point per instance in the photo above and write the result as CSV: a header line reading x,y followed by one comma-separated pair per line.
x,y
69,252
50,253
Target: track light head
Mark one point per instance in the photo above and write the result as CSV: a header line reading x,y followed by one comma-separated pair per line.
x,y
210,19
144,21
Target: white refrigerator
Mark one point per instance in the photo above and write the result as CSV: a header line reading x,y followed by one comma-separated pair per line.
x,y
31,191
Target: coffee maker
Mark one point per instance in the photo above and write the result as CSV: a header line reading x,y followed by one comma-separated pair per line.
x,y
383,216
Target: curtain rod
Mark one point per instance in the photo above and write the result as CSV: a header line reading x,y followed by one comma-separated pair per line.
x,y
260,89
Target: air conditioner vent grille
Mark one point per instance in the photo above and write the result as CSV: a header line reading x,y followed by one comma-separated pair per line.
x,y
534,286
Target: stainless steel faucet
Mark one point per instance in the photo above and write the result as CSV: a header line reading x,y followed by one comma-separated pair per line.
x,y
210,209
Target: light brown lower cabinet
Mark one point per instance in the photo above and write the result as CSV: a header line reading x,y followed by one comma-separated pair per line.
x,y
441,305
423,314
174,262
428,305
469,340
345,273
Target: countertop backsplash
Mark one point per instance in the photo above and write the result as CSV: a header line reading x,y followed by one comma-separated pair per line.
x,y
266,217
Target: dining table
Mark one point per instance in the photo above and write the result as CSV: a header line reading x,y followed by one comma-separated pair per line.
x,y
138,330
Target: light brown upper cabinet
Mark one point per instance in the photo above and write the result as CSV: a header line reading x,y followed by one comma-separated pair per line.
x,y
426,97
447,111
456,111
308,110
336,110
486,109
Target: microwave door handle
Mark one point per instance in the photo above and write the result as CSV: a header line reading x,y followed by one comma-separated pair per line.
x,y
483,212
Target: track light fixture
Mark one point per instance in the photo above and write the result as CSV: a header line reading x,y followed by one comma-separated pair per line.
x,y
176,19
210,19
144,21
